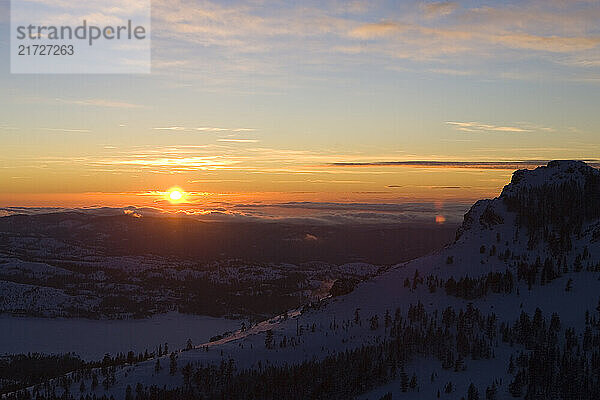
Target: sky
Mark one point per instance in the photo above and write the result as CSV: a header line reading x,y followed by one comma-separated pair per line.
x,y
318,101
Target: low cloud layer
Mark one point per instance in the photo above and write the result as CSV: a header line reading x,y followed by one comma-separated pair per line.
x,y
319,213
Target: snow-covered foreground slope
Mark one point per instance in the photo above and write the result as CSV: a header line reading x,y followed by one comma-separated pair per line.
x,y
545,255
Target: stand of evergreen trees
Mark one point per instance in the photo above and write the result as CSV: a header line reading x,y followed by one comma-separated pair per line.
x,y
24,370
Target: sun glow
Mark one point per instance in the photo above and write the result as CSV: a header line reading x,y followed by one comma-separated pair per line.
x,y
176,195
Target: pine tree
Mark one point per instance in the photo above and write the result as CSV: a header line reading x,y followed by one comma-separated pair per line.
x,y
472,393
491,392
448,388
128,393
387,319
569,285
403,380
515,388
374,322
413,382
173,364
269,339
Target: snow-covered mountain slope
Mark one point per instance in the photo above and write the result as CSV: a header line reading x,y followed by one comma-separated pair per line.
x,y
448,318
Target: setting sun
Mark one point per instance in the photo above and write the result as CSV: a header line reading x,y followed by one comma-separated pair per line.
x,y
176,195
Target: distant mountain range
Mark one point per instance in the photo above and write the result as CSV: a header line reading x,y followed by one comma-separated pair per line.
x,y
114,263
188,238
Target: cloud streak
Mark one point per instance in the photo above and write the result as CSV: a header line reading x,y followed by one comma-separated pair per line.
x,y
439,8
99,103
481,127
177,128
238,140
65,130
499,165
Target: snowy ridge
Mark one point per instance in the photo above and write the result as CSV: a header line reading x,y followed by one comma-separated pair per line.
x,y
555,173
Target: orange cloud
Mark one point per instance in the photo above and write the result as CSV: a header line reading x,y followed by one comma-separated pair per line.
x,y
377,30
439,8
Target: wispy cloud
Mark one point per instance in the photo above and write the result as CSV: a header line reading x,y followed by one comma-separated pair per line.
x,y
174,164
211,129
444,35
66,130
238,140
99,103
202,129
170,128
377,30
439,8
481,127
